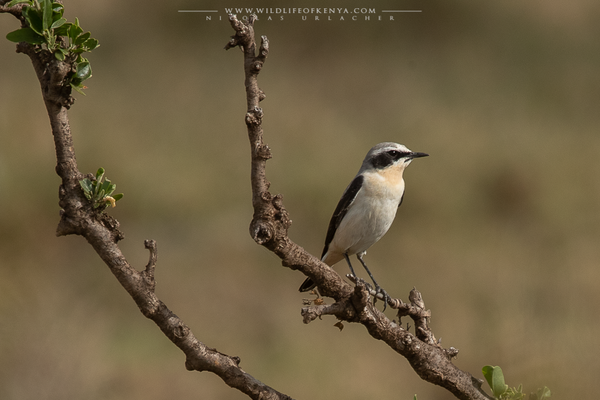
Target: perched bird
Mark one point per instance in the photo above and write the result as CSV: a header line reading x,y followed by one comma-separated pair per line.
x,y
367,208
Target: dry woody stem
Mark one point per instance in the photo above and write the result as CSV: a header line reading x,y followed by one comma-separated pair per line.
x,y
268,228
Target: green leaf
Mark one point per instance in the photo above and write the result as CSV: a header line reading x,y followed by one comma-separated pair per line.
x,y
82,38
59,9
13,2
495,379
60,54
488,372
63,30
25,35
86,185
543,393
34,18
99,174
58,23
90,44
83,72
46,14
78,88
514,393
108,187
74,31
99,191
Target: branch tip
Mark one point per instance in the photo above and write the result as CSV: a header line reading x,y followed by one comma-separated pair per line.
x,y
311,313
150,244
416,299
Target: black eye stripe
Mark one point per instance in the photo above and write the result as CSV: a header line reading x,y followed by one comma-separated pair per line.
x,y
387,158
396,155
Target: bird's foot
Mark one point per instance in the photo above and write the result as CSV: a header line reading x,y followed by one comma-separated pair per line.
x,y
360,281
386,297
378,292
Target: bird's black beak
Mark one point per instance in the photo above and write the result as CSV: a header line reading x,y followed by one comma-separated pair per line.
x,y
417,155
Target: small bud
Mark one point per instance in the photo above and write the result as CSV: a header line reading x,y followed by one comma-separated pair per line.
x,y
111,200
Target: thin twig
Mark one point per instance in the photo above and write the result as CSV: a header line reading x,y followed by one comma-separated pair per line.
x,y
148,273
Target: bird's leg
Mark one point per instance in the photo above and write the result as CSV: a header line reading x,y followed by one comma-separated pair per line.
x,y
354,273
350,264
378,288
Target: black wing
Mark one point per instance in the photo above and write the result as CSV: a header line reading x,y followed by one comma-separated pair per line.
x,y
341,209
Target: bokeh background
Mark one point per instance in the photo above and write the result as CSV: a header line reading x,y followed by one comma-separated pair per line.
x,y
500,227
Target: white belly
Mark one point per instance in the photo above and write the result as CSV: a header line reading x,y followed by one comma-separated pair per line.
x,y
369,217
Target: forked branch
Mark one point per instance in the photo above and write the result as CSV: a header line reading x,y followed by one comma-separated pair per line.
x,y
269,228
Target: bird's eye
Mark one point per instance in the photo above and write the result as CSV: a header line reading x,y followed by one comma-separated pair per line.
x,y
393,153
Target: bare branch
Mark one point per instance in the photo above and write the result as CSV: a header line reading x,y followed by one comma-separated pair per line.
x,y
102,232
15,10
309,314
269,228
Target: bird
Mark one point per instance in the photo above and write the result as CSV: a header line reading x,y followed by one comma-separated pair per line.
x,y
367,208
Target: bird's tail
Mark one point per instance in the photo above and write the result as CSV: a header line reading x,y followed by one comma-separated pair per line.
x,y
307,285
328,258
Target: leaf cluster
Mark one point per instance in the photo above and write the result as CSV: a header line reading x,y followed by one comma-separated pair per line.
x,y
99,190
501,391
48,29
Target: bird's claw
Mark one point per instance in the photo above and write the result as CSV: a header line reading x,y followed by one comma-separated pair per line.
x,y
378,291
361,281
384,294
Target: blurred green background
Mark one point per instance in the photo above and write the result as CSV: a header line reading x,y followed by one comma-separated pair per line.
x,y
499,229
